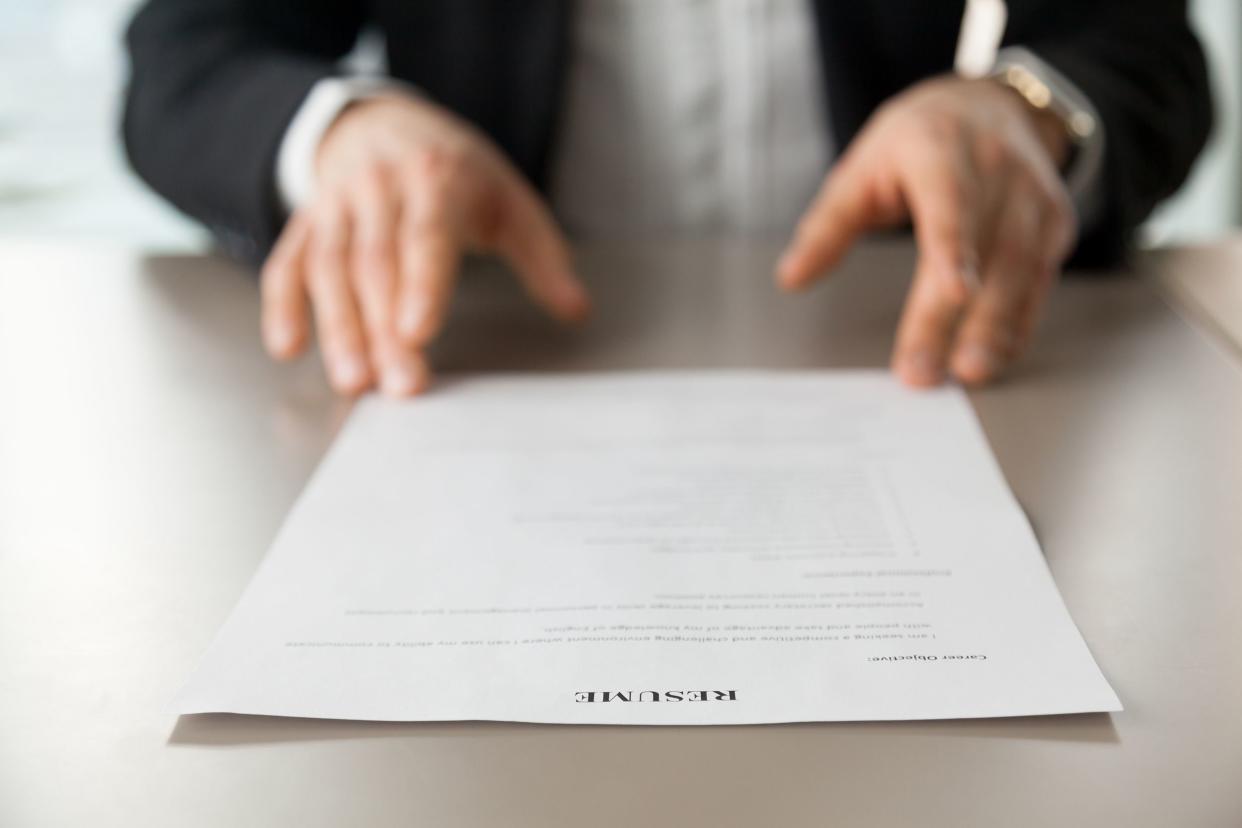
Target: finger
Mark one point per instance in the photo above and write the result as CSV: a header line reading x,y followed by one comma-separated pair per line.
x,y
373,251
941,186
528,238
925,332
341,340
997,324
1058,234
429,248
373,266
283,292
430,256
937,180
403,372
853,199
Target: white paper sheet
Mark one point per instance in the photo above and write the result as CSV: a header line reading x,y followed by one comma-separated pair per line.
x,y
691,548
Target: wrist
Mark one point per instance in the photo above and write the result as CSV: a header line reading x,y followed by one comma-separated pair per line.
x,y
338,131
298,156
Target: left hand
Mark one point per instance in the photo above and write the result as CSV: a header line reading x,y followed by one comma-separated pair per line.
x,y
976,169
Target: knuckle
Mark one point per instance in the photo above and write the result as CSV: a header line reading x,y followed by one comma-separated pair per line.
x,y
992,153
318,283
322,276
327,249
1028,184
441,162
953,194
325,222
369,184
426,207
1047,184
326,206
949,186
366,277
374,177
1060,208
1066,229
429,201
427,221
944,244
1059,234
1012,249
941,127
372,252
372,276
338,325
1062,201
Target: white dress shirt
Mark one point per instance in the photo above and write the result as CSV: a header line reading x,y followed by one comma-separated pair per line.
x,y
696,116
690,117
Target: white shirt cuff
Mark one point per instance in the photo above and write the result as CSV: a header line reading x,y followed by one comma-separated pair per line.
x,y
1084,177
295,159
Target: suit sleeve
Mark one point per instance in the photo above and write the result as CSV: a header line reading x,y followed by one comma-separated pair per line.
x,y
1143,69
213,85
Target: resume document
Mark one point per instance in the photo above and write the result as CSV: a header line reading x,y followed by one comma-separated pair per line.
x,y
655,548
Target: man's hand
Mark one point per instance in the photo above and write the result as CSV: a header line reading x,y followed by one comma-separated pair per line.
x,y
403,189
976,169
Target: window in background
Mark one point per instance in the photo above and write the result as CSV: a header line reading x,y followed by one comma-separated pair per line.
x,y
62,170
1210,203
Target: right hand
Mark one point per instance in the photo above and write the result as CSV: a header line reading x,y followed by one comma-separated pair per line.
x,y
403,190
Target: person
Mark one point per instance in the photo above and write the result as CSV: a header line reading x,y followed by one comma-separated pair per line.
x,y
497,123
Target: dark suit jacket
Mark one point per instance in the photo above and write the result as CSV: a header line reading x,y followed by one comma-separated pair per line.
x,y
214,84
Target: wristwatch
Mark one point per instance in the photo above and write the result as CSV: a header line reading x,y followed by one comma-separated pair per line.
x,y
1078,122
1046,89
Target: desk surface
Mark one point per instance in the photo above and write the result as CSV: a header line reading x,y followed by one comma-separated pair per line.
x,y
1205,281
148,452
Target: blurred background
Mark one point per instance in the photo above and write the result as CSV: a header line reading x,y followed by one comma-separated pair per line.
x,y
63,173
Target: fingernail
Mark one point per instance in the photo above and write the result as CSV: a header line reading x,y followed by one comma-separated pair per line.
x,y
349,370
979,361
923,368
401,380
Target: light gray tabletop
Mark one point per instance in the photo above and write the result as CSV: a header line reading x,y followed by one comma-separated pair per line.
x,y
1205,282
148,452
